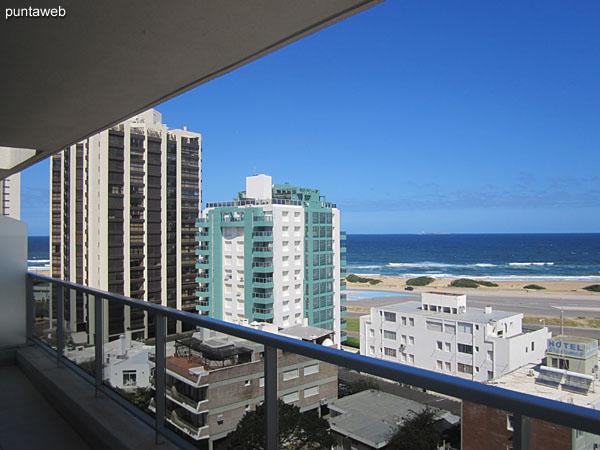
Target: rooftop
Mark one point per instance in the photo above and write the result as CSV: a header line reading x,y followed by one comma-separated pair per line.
x,y
371,416
474,315
524,380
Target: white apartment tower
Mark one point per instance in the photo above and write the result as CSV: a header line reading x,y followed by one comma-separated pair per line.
x,y
10,196
273,255
124,203
440,333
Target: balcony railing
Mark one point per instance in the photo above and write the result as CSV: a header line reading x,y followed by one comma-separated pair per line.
x,y
522,406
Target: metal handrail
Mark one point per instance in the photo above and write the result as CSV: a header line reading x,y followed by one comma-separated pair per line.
x,y
522,405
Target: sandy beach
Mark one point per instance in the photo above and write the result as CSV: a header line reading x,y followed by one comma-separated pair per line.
x,y
395,284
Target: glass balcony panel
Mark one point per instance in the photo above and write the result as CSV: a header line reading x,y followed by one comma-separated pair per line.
x,y
211,381
127,360
44,312
79,331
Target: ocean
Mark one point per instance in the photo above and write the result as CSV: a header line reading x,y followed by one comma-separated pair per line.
x,y
541,257
38,251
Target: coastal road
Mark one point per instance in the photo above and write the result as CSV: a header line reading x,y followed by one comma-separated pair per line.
x,y
527,303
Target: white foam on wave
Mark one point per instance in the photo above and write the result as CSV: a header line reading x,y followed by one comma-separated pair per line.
x,y
374,266
45,261
525,264
428,264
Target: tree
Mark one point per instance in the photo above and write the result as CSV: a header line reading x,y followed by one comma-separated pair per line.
x,y
417,432
297,431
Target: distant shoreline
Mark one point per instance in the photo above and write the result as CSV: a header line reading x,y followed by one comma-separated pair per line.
x,y
397,284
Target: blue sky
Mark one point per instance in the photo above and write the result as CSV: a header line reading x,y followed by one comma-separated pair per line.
x,y
413,116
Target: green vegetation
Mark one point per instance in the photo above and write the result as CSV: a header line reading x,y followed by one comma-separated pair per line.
x,y
468,283
486,283
353,324
419,281
362,385
593,288
417,432
592,322
465,283
352,342
534,286
302,431
356,279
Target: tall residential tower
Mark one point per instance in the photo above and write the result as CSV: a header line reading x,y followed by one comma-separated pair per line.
x,y
274,255
124,204
10,196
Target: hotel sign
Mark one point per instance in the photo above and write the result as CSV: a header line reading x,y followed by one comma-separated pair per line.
x,y
573,349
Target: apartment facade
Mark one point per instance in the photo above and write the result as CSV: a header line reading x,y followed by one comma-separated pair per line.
x,y
274,254
440,333
10,196
124,203
214,379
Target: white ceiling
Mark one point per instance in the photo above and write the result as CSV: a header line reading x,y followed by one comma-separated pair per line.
x,y
63,79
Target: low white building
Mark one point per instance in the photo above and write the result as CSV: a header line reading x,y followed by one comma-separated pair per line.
x,y
440,333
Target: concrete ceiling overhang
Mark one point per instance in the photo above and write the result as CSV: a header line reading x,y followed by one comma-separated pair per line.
x,y
63,79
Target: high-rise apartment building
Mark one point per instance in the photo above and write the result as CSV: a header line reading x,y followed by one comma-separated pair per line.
x,y
10,196
124,204
272,255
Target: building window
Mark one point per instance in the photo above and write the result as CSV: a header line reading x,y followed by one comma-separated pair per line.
x,y
403,357
371,332
448,367
411,340
465,368
465,327
290,374
411,322
439,345
220,419
434,325
389,334
448,346
247,383
261,382
312,369
389,316
490,355
464,348
404,321
311,391
389,352
291,397
411,359
129,378
532,346
439,365
372,349
490,374
509,422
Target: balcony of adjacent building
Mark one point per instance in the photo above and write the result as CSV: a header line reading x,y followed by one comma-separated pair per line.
x,y
263,266
202,236
261,220
262,236
203,277
262,250
262,282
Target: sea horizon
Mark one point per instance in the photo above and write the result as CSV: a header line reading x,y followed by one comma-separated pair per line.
x,y
490,256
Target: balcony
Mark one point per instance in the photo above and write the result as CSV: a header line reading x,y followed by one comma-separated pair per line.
x,y
262,297
524,407
262,236
342,235
262,221
262,282
262,313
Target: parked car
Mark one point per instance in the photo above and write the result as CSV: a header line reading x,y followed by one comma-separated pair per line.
x,y
409,288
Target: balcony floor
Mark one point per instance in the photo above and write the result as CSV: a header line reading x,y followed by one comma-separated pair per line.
x,y
27,420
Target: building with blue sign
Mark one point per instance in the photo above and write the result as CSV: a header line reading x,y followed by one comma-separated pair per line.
x,y
573,353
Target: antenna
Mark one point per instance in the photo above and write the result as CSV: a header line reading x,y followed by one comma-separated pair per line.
x,y
561,321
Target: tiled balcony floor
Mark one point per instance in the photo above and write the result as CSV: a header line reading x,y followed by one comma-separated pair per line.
x,y
27,420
